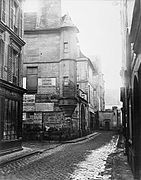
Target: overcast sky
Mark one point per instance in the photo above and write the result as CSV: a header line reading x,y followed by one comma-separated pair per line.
x,y
100,34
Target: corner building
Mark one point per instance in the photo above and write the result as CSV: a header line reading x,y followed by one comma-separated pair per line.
x,y
53,97
11,91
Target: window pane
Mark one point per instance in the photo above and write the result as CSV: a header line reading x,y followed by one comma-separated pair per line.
x,y
31,83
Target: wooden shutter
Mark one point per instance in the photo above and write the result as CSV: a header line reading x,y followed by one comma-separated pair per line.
x,y
2,49
1,57
3,11
11,14
0,8
17,73
20,22
9,75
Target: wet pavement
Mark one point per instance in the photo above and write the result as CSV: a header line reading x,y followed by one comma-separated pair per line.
x,y
95,158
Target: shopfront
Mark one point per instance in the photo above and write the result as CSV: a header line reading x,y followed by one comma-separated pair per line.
x,y
10,117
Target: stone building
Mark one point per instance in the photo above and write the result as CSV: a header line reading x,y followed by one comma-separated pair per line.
x,y
131,74
110,119
52,72
11,91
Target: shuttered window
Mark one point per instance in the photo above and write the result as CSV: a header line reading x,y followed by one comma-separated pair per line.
x,y
1,57
2,10
9,75
11,13
13,66
16,17
20,26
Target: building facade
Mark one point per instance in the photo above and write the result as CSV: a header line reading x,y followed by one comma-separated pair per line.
x,y
110,119
11,91
130,92
55,94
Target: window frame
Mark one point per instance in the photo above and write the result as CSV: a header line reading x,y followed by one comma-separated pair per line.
x,y
2,48
14,61
16,17
30,75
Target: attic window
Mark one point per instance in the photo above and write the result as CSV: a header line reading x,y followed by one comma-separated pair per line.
x,y
66,47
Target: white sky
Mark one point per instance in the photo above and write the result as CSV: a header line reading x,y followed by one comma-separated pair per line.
x,y
100,34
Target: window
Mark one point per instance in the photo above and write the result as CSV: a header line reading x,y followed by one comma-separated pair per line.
x,y
16,17
66,47
10,131
24,82
2,10
66,80
13,66
32,79
1,57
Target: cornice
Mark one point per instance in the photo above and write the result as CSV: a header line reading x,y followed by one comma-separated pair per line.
x,y
49,30
17,39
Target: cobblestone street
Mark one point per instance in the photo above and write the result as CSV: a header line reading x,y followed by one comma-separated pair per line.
x,y
84,160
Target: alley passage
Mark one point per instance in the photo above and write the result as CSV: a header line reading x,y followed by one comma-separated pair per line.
x,y
78,161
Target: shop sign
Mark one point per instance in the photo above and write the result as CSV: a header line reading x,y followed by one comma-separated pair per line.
x,y
44,106
46,82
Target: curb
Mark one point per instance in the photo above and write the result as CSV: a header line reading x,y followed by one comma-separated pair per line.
x,y
34,152
81,139
18,157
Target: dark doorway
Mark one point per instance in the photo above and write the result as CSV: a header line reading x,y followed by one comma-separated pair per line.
x,y
107,125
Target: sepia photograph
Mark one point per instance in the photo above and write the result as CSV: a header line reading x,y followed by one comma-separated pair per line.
x,y
70,90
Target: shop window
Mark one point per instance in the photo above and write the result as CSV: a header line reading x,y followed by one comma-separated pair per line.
x,y
2,10
10,130
1,57
32,79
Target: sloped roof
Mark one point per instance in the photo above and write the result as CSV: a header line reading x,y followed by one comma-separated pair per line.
x,y
67,22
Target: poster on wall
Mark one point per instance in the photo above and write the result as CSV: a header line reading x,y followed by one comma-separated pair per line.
x,y
28,107
44,106
38,118
28,98
53,118
46,85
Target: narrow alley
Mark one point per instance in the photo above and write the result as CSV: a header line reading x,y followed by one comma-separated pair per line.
x,y
83,160
70,83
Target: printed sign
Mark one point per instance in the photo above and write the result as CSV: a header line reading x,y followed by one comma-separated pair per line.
x,y
28,106
44,106
28,98
53,117
47,82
